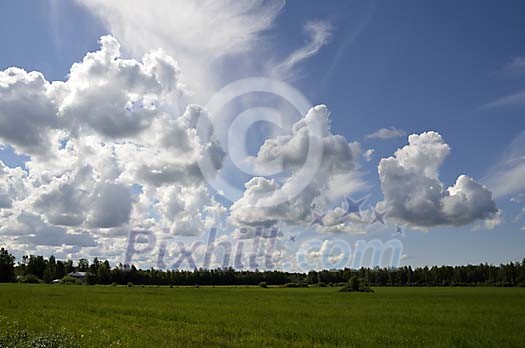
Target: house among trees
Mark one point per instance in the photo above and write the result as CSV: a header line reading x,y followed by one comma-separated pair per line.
x,y
37,269
78,275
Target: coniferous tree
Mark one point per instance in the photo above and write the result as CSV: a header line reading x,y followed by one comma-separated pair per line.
x,y
7,266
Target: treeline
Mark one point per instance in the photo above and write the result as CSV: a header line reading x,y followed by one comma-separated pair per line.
x,y
39,269
511,274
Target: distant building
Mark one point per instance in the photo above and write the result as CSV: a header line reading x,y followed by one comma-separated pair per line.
x,y
78,275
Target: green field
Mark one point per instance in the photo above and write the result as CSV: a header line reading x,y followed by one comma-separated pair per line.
x,y
104,316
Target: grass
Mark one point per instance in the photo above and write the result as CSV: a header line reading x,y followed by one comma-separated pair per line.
x,y
106,316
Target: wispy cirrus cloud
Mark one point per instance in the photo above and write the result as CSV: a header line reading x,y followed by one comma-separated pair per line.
x,y
516,99
198,34
514,68
506,176
320,33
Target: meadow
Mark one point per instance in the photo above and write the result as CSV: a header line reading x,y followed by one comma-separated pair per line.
x,y
120,316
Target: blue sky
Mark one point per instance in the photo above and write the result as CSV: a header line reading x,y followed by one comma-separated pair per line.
x,y
414,66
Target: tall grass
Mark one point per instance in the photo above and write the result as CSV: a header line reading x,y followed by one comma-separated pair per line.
x,y
109,316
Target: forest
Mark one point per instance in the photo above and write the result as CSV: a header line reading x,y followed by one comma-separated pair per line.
x,y
37,269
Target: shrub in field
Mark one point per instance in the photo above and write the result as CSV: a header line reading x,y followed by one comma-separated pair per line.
x,y
263,284
295,285
355,285
29,279
114,284
130,284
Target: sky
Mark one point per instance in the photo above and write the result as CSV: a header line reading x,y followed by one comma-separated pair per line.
x,y
415,106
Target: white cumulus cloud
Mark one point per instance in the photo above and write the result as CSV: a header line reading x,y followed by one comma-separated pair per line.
x,y
338,175
413,191
109,151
